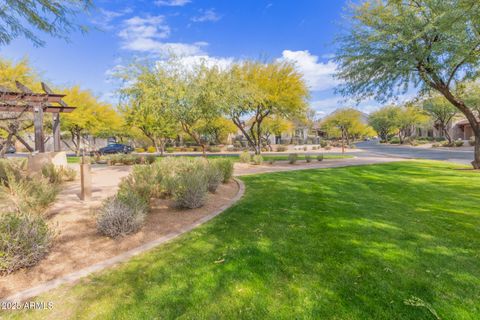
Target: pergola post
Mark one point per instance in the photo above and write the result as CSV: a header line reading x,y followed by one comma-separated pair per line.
x,y
56,132
38,127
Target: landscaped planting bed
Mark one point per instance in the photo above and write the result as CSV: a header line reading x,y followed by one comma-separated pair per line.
x,y
389,241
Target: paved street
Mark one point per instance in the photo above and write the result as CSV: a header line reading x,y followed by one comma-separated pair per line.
x,y
372,148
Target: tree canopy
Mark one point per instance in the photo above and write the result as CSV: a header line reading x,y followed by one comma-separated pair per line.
x,y
442,113
429,44
24,17
345,123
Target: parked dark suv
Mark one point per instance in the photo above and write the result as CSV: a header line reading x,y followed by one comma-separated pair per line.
x,y
115,148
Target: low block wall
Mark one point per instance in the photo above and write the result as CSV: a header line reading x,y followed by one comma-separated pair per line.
x,y
37,160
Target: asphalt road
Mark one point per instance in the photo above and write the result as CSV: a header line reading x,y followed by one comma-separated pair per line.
x,y
373,148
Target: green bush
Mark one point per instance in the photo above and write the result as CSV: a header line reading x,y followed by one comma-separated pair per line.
x,y
214,149
459,143
225,166
214,176
323,143
328,148
320,157
142,181
314,148
308,158
24,241
139,150
58,175
121,215
281,148
292,158
190,185
394,140
305,148
245,157
257,159
150,158
169,150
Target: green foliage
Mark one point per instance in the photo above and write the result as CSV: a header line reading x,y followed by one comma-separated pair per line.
x,y
121,215
214,176
57,175
320,157
281,148
323,143
22,18
459,143
24,241
191,185
346,123
151,150
308,158
214,149
245,157
384,121
292,158
257,159
225,166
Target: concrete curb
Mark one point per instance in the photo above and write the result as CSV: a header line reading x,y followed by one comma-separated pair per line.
x,y
74,276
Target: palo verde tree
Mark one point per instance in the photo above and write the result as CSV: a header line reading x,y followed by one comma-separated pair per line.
x,y
53,17
146,104
275,126
442,113
91,117
430,44
408,118
345,123
259,90
384,121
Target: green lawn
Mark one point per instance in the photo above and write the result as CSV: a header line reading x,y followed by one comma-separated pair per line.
x,y
344,243
265,157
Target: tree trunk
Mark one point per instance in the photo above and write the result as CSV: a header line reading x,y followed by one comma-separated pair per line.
x,y
476,153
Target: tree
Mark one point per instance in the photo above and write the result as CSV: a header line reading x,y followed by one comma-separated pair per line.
x,y
90,117
259,90
147,104
275,126
345,123
22,17
217,130
408,118
442,113
430,44
384,121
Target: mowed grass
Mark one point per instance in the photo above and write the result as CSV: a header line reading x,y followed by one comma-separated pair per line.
x,y
344,243
281,157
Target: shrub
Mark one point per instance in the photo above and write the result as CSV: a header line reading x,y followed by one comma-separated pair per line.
x,y
257,159
151,149
271,161
292,158
121,215
214,176
139,150
24,241
225,166
305,148
394,140
459,143
58,175
214,149
448,144
169,150
323,143
436,145
328,148
142,181
314,148
320,157
471,141
150,159
190,185
308,158
281,148
245,157
26,195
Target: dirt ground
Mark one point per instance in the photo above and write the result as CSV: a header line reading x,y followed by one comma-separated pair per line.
x,y
78,245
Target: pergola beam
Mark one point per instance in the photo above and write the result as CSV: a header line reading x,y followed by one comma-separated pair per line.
x,y
5,107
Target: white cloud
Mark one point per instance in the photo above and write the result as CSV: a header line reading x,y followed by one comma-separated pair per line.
x,y
222,63
148,35
207,15
318,75
172,3
106,17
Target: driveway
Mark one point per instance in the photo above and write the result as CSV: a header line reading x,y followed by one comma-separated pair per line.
x,y
373,148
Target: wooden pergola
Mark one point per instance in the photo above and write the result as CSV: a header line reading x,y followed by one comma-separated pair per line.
x,y
26,101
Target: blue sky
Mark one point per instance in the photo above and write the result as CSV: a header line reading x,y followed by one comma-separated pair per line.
x,y
219,30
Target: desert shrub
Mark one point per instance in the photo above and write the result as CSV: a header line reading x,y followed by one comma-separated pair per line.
x,y
139,150
169,150
394,140
151,149
150,159
245,157
214,149
440,139
10,167
24,241
143,181
214,176
436,145
190,185
257,159
471,141
308,158
292,158
323,143
21,193
314,148
328,148
459,143
305,148
121,215
281,148
352,146
448,144
225,166
58,175
320,157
